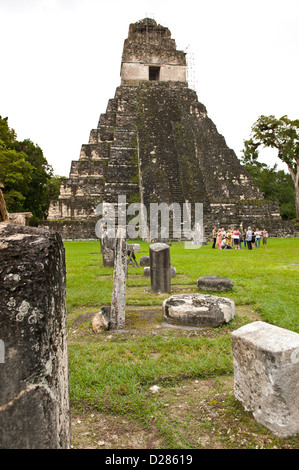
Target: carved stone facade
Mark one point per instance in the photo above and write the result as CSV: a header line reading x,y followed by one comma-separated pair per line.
x,y
156,143
150,54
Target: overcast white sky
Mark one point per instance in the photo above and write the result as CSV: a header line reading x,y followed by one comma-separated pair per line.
x,y
60,64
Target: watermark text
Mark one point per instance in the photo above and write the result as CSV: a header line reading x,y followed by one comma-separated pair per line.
x,y
154,224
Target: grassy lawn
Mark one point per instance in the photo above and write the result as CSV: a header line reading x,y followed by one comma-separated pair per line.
x,y
111,373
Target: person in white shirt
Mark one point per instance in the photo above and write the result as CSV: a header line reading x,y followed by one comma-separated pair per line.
x,y
249,238
258,235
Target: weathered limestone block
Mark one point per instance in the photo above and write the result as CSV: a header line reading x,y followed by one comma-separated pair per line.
x,y
214,283
198,310
101,320
135,247
144,261
118,301
34,391
160,267
107,249
20,218
266,375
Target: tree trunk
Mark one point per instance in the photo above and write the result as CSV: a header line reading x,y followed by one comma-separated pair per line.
x,y
297,200
3,210
295,178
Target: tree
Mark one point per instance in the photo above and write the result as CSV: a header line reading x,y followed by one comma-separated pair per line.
x,y
281,134
25,173
36,197
53,187
276,185
15,175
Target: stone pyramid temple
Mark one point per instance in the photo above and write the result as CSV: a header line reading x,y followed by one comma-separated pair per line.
x,y
156,143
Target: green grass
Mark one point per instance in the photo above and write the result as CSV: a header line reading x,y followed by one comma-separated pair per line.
x,y
114,375
120,380
266,278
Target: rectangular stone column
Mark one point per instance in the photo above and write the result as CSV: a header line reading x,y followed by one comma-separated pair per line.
x,y
266,375
34,390
160,268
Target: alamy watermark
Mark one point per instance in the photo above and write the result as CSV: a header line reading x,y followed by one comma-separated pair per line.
x,y
152,226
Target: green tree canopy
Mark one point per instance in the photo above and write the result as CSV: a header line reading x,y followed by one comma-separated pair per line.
x,y
281,134
15,175
25,174
276,185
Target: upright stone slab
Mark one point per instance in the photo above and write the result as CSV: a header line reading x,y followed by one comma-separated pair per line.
x,y
107,249
266,375
34,390
160,269
118,302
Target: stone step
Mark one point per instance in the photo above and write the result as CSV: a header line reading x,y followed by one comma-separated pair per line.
x,y
96,151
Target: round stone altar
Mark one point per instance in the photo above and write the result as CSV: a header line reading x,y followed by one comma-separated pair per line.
x,y
198,310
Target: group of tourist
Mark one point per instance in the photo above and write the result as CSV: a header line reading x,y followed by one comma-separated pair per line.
x,y
233,238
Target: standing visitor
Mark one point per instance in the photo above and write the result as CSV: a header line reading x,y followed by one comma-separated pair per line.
x,y
249,238
219,238
253,237
236,238
229,238
241,239
244,236
265,237
214,236
258,235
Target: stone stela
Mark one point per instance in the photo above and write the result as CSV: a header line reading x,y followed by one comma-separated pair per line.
x,y
160,268
118,301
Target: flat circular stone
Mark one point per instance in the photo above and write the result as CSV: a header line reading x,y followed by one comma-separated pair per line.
x,y
214,283
198,310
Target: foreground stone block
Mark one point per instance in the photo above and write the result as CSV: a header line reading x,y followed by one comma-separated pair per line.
x,y
266,375
198,310
34,391
214,283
